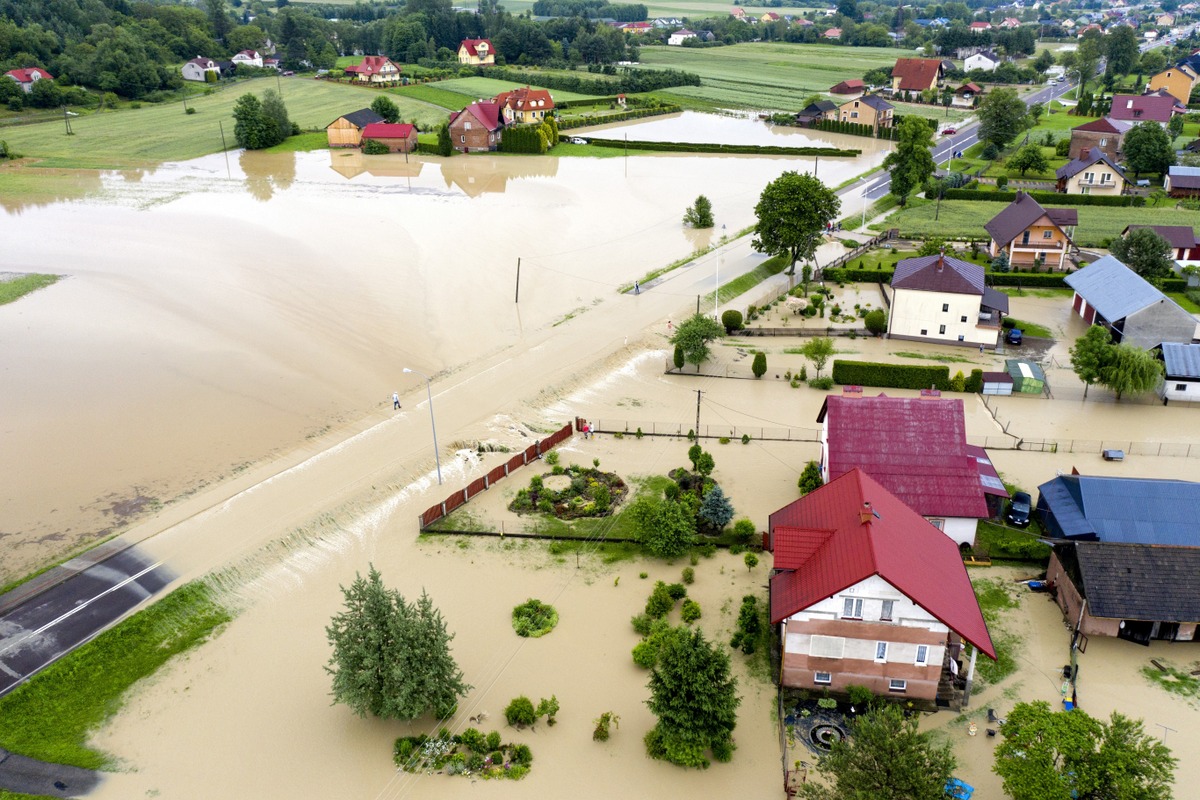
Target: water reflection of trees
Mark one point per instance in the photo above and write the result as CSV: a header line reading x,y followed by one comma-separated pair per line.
x,y
477,174
49,187
267,172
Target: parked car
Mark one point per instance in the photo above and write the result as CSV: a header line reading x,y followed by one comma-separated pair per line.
x,y
1018,510
1014,336
949,131
577,140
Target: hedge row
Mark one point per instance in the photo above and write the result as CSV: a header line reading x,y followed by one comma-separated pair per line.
x,y
708,147
896,376
579,122
852,128
1053,198
529,139
1044,280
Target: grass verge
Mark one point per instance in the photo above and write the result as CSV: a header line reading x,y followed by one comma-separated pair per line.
x,y
1175,680
995,598
652,274
15,288
1011,544
51,716
944,359
1032,328
302,143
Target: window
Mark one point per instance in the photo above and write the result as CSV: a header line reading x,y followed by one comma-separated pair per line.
x,y
466,126
922,654
1089,177
462,138
962,319
1181,387
1047,234
924,331
945,306
962,338
823,678
941,328
1085,190
881,651
940,524
888,607
853,115
895,685
852,608
1106,177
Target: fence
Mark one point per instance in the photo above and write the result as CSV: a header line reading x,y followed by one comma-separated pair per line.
x,y
531,453
853,333
1089,446
631,427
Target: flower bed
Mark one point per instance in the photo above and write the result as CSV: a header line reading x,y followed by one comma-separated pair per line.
x,y
571,492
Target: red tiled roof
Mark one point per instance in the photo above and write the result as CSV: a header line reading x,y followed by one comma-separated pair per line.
x,y
525,99
916,447
973,88
472,46
833,33
1143,108
894,543
487,113
848,87
371,65
387,130
26,75
916,74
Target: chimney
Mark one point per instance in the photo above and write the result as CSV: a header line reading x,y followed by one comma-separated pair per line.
x,y
865,516
941,262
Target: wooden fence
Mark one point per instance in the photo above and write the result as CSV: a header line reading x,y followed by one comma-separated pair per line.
x,y
531,453
626,427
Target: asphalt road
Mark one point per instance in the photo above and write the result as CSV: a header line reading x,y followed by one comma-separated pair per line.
x,y
51,624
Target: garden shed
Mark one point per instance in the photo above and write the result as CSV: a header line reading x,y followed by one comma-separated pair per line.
x,y
1000,383
1027,377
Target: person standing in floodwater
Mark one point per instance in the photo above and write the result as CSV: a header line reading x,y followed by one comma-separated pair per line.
x,y
637,288
395,400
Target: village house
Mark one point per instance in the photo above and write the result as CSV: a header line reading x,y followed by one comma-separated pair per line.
x,y
476,52
1109,293
1185,245
979,26
1177,81
250,58
1182,182
916,74
477,128
865,592
815,111
966,95
770,16
1092,173
1145,108
944,300
1136,592
399,138
1181,364
852,86
738,13
347,130
917,448
984,60
680,36
869,109
638,28
1106,134
375,70
524,106
199,68
28,76
1010,22
832,33
1030,233
1089,508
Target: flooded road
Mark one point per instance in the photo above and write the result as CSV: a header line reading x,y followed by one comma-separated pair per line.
x,y
224,309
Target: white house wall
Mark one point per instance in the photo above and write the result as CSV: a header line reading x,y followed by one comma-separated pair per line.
x,y
1189,393
960,529
919,315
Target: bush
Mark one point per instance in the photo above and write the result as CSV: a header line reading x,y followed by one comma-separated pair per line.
x,y
825,384
743,531
677,591
990,153
690,611
876,321
520,712
371,147
689,576
859,695
1046,198
732,320
603,724
534,619
493,741
642,623
475,741
660,602
897,376
975,382
522,755
759,366
959,382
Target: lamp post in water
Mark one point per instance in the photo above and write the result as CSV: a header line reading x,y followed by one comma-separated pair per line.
x,y
432,423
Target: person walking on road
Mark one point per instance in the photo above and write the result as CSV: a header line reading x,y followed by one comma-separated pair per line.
x,y
395,400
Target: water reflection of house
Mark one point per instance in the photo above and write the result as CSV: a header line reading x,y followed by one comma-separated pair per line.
x,y
868,593
479,174
352,164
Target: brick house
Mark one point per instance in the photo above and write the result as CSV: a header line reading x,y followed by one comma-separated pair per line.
x,y
375,70
399,138
868,593
1026,231
1105,134
477,128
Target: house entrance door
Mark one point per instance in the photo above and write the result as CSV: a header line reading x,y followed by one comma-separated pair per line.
x,y
1136,631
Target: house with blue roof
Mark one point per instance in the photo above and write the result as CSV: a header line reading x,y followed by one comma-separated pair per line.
x,y
1182,367
1109,293
1125,510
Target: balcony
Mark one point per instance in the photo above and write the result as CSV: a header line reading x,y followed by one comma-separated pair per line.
x,y
1050,246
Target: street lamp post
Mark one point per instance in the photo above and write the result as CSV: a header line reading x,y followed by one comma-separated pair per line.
x,y
432,423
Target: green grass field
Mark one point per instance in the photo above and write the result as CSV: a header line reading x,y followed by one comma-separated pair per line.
x,y
966,218
16,288
475,88
762,75
435,95
153,134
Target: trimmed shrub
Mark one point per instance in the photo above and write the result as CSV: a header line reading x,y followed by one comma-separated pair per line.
x,y
975,382
520,712
896,376
1046,198
732,320
690,611
371,147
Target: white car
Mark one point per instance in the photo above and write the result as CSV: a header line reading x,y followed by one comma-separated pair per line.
x,y
577,140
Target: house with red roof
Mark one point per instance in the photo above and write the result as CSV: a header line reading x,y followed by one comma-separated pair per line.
x,y
476,52
1145,108
399,138
916,74
477,128
524,106
944,300
917,448
851,86
375,70
833,33
979,26
1105,134
28,76
251,58
866,592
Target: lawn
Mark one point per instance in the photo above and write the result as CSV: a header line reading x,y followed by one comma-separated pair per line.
x,y
52,715
153,134
434,94
762,75
999,168
1031,328
1188,304
1059,123
16,288
475,88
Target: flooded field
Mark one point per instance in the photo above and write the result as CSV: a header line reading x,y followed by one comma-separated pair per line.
x,y
220,310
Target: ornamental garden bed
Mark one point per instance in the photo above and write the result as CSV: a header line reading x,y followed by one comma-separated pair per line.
x,y
571,492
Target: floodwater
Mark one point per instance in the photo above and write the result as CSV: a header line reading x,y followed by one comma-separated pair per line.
x,y
225,309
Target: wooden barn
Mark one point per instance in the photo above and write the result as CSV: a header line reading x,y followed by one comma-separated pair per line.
x,y
346,130
399,138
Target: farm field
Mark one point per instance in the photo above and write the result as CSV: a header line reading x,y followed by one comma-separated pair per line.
x,y
763,75
153,134
966,218
476,88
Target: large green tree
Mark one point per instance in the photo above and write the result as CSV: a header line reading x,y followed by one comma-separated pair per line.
x,y
884,758
1066,755
695,699
666,528
384,107
391,658
1121,45
694,334
699,214
1002,117
276,114
251,128
818,350
1146,253
1131,370
911,163
1029,157
1090,355
1147,148
793,212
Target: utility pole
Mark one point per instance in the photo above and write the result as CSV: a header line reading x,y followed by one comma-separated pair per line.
x,y
518,298
67,121
224,147
697,304
698,393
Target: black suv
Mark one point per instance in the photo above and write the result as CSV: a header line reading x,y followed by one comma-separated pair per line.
x,y
1018,510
